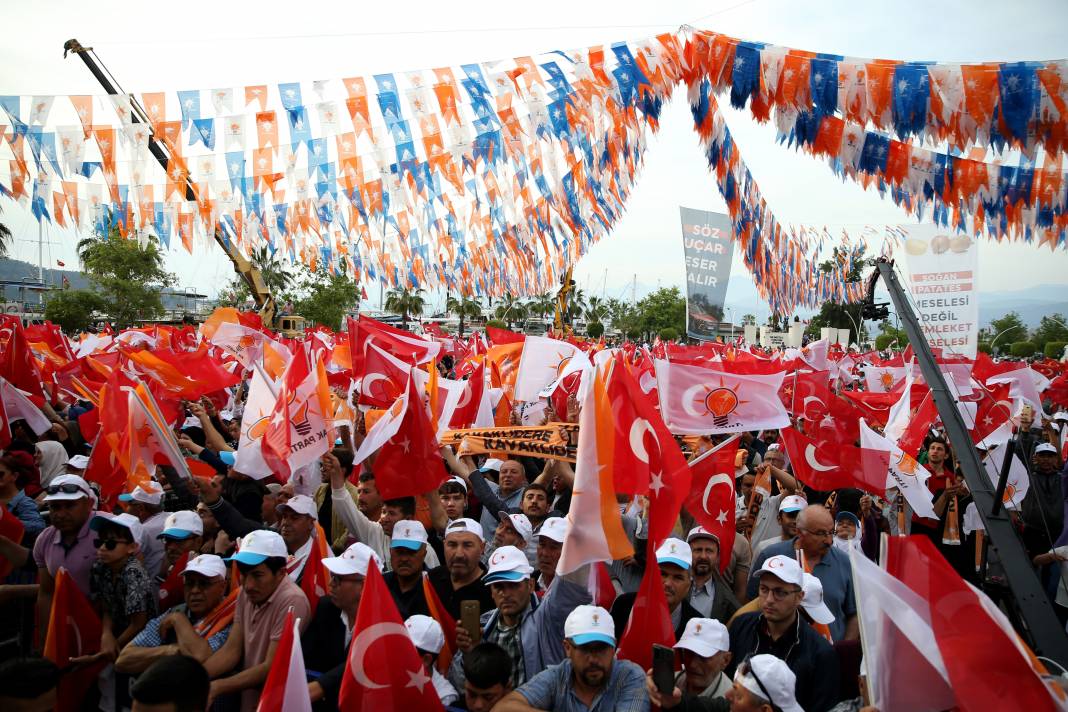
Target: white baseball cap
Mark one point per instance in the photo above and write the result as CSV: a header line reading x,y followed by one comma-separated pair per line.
x,y
208,565
554,528
126,521
792,503
66,488
147,493
783,568
705,637
492,464
1061,415
191,422
78,462
1045,447
698,532
258,546
507,564
456,480
465,526
590,624
675,551
521,525
426,633
812,599
300,504
182,524
353,560
768,675
409,534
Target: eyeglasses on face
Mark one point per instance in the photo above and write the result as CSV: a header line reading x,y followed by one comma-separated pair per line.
x,y
746,669
109,544
778,594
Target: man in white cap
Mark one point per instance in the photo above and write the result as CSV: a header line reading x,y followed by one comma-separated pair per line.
x,y
67,543
512,530
779,629
296,524
1042,509
460,579
327,637
197,628
495,498
182,535
407,557
674,560
267,593
428,639
550,546
764,683
530,629
590,678
453,494
705,651
710,593
790,507
146,503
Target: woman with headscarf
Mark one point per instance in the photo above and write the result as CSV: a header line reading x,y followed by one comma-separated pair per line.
x,y
51,461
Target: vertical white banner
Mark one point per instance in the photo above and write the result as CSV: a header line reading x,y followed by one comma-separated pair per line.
x,y
942,277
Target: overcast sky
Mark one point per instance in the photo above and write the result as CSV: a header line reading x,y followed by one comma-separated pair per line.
x,y
192,44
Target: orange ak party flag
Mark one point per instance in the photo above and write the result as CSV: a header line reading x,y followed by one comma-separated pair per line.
x,y
73,631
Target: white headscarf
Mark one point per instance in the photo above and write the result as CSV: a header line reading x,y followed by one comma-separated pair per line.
x,y
53,460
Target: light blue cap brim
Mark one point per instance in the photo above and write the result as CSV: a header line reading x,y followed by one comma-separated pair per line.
x,y
405,544
227,457
584,638
671,560
176,534
125,497
248,558
504,576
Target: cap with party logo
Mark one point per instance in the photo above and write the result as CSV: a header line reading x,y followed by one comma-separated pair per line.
x,y
66,488
426,633
1045,447
182,524
554,528
78,462
258,546
464,526
126,521
812,599
353,560
507,564
705,637
783,568
792,503
700,532
590,624
767,676
299,504
408,534
147,493
208,565
521,525
675,551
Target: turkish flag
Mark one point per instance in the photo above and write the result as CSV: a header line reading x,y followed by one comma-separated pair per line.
x,y
12,528
993,409
408,462
384,378
812,393
383,670
73,631
467,407
16,360
405,346
650,620
315,578
286,686
503,336
818,465
912,439
711,499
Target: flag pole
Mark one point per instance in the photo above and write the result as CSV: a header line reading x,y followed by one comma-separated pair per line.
x,y
710,452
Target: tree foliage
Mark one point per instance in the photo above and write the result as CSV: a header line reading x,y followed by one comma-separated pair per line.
x,y
129,275
73,309
511,310
324,297
663,309
839,316
406,302
889,336
464,308
5,237
1054,349
1007,329
594,329
1052,328
1023,349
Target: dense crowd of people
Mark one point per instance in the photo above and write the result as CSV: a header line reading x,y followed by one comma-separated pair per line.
x,y
192,579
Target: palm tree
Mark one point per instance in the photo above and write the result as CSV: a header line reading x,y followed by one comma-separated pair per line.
x,y
406,302
596,309
5,238
748,320
463,307
511,310
274,271
543,304
576,303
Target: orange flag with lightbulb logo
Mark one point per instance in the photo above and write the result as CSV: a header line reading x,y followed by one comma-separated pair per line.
x,y
700,401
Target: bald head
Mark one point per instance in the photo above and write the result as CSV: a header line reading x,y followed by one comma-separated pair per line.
x,y
815,531
815,516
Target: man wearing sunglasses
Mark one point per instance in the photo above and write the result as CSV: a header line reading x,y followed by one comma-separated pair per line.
x,y
196,628
327,637
778,629
67,543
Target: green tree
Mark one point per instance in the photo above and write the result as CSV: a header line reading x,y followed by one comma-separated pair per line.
x,y
840,316
511,310
129,274
1051,328
1054,349
576,304
496,324
596,309
543,304
5,237
1006,330
663,309
73,309
463,307
406,302
1022,349
594,329
669,333
890,336
276,276
324,297
749,320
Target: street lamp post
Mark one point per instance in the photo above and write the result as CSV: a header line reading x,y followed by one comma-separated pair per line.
x,y
1000,333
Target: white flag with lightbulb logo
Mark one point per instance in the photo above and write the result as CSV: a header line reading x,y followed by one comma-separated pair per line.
x,y
702,401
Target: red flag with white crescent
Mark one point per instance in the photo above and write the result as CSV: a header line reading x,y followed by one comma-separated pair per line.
x,y
711,499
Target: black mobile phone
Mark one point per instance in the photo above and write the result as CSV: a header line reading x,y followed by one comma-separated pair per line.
x,y
663,669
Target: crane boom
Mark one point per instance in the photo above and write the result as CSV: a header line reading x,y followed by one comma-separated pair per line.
x,y
261,294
